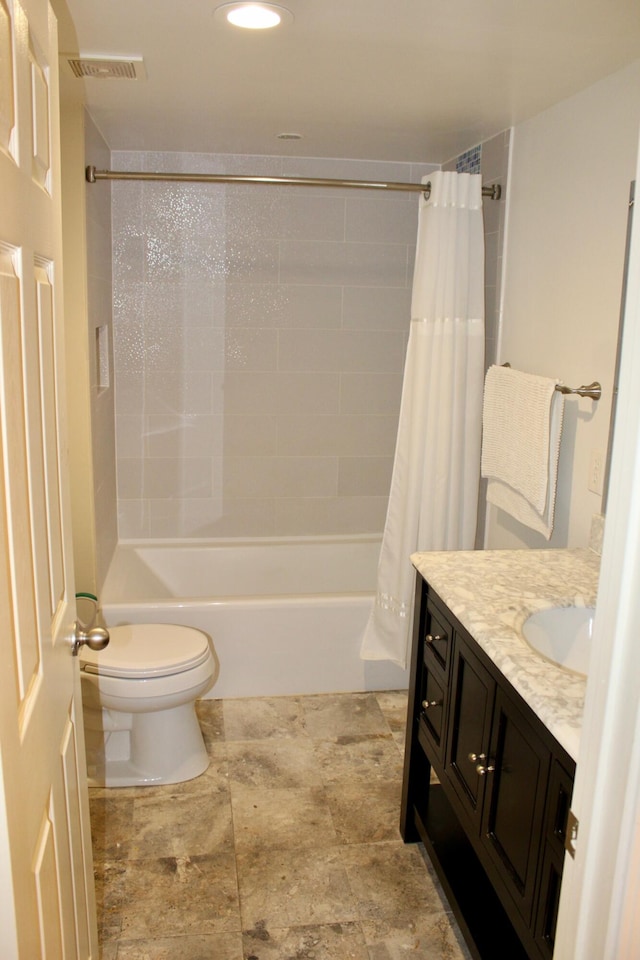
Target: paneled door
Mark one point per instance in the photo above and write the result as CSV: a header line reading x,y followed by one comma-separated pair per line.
x,y
47,902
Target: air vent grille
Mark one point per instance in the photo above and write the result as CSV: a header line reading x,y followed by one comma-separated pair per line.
x,y
104,68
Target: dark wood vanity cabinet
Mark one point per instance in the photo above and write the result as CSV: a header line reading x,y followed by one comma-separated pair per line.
x,y
493,817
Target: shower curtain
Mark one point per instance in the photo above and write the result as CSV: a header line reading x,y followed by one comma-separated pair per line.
x,y
436,472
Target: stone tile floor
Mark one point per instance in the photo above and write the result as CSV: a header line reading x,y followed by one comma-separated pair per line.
x,y
287,848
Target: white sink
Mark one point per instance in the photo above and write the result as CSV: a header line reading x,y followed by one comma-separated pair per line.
x,y
563,635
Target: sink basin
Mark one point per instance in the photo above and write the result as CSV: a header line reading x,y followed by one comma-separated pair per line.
x,y
563,635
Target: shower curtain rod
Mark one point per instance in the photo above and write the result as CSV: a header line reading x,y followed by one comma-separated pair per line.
x,y
494,192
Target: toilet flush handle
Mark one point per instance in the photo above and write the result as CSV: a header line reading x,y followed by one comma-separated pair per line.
x,y
96,639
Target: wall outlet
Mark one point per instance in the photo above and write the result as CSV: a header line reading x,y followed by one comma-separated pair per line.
x,y
596,472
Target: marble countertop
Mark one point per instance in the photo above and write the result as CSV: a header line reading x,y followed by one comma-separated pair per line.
x,y
492,592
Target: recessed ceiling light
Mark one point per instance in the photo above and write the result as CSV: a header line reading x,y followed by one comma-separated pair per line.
x,y
253,16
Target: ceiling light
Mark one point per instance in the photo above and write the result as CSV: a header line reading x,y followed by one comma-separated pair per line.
x,y
253,16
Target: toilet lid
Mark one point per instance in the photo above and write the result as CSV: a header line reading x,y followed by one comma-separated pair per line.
x,y
143,650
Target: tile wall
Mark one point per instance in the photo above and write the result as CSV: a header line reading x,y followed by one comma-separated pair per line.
x,y
259,337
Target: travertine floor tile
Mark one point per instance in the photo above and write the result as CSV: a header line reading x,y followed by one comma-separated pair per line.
x,y
286,847
335,941
393,704
211,719
359,759
111,827
429,936
340,715
221,946
264,818
370,819
109,876
273,763
182,826
216,772
108,951
178,896
389,880
262,719
285,888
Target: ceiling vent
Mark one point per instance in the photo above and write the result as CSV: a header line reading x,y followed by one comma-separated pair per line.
x,y
106,68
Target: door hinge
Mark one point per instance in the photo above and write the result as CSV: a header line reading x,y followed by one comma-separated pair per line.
x,y
572,833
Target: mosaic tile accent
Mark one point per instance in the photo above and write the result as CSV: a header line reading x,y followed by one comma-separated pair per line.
x,y
470,160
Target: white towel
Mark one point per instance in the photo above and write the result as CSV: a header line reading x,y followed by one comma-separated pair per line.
x,y
522,427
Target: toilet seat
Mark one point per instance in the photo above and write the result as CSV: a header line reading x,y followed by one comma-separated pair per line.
x,y
146,650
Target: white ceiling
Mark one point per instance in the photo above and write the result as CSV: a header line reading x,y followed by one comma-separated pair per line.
x,y
410,80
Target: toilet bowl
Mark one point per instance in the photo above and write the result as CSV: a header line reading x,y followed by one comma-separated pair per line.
x,y
138,697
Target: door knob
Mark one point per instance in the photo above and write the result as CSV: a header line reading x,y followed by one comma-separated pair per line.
x,y
96,639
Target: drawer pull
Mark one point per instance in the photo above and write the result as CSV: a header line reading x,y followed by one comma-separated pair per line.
x,y
430,638
426,704
482,771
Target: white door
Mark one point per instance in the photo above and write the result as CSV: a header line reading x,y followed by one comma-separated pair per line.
x,y
47,903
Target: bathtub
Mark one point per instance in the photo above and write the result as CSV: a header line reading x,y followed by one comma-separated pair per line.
x,y
286,616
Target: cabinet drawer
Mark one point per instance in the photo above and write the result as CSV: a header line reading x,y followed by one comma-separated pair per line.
x,y
432,706
437,638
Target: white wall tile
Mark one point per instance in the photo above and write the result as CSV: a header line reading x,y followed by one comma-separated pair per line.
x,y
251,349
340,350
377,308
183,436
259,336
364,476
371,393
367,264
341,436
309,305
255,477
250,436
369,221
177,479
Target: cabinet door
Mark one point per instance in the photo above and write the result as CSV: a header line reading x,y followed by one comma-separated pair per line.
x,y
472,697
560,789
513,816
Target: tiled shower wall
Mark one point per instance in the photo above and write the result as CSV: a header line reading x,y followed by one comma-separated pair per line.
x,y
259,337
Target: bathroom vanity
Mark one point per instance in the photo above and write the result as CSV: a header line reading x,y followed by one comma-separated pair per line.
x,y
492,737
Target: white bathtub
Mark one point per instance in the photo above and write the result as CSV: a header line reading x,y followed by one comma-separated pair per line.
x,y
285,616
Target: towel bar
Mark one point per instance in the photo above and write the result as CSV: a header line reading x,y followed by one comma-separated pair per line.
x,y
591,390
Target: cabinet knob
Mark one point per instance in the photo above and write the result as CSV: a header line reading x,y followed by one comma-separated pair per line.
x,y
482,771
474,757
426,704
430,638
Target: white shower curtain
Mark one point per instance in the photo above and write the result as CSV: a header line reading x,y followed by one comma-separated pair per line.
x,y
436,472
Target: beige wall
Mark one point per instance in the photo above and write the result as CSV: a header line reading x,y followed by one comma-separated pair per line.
x,y
260,335
88,295
570,173
99,326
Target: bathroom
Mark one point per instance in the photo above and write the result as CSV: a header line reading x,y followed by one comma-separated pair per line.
x,y
566,173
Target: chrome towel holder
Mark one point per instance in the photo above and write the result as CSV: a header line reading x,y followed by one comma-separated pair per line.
x,y
591,390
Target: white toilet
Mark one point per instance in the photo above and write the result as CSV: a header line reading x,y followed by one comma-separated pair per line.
x,y
138,695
